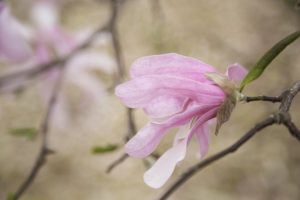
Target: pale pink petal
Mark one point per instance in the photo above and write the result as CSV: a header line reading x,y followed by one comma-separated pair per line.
x,y
63,42
12,45
165,106
171,64
93,60
145,141
193,110
203,137
236,72
161,171
207,117
42,53
140,91
44,14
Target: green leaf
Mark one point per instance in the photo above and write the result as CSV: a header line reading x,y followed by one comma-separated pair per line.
x,y
11,196
27,132
104,149
264,61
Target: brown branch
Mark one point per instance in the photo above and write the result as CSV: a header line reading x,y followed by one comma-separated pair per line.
x,y
282,116
263,98
292,129
44,151
131,128
190,172
59,63
115,163
35,71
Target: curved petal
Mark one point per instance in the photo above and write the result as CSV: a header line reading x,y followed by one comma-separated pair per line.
x,y
206,117
165,106
192,110
145,141
171,64
160,172
140,91
236,72
203,137
12,45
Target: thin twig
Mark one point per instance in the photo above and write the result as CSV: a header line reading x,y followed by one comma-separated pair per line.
x,y
35,71
44,151
32,73
131,128
116,162
293,129
190,172
282,116
263,98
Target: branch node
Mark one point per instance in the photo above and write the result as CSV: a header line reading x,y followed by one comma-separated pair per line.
x,y
281,117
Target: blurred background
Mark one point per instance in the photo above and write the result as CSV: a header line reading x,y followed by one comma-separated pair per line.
x,y
217,32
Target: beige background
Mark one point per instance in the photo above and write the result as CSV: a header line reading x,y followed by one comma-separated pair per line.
x,y
217,32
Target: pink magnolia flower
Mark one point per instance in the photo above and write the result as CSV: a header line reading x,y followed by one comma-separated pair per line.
x,y
174,92
12,45
52,40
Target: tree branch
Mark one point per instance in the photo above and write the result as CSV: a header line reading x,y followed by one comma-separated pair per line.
x,y
60,63
282,116
44,151
263,98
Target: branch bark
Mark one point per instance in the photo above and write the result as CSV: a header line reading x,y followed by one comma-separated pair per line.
x,y
44,131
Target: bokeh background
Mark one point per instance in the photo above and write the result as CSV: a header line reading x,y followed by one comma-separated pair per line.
x,y
217,32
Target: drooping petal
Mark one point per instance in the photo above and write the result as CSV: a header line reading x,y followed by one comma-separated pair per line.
x,y
171,64
160,172
145,141
12,45
165,106
140,91
203,137
236,72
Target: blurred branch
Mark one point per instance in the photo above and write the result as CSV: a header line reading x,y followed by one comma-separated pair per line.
x,y
131,128
44,151
60,63
115,163
281,117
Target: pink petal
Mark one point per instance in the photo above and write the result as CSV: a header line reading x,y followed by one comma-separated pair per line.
x,y
236,72
192,110
207,117
161,171
145,141
203,137
171,64
12,44
44,14
165,106
140,91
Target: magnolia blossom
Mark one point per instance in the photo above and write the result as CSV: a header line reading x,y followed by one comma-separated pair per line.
x,y
174,92
12,45
51,41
